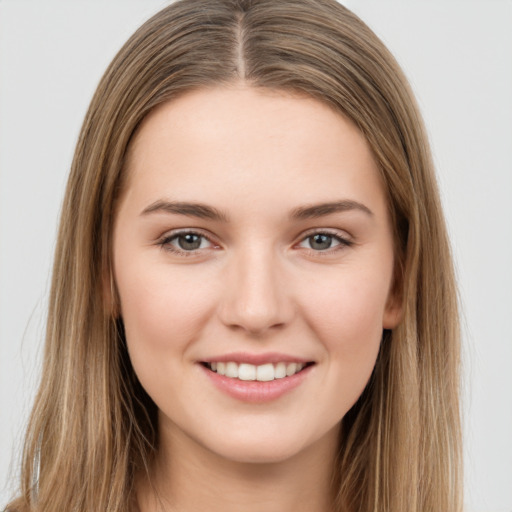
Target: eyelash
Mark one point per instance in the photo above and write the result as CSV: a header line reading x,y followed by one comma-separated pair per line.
x,y
343,243
165,242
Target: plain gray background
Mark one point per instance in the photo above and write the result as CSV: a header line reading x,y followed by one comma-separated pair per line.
x,y
458,57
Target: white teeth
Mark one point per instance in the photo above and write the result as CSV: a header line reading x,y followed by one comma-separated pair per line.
x,y
263,373
247,372
231,370
280,370
291,368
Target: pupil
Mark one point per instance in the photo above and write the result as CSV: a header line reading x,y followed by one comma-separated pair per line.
x,y
321,241
189,241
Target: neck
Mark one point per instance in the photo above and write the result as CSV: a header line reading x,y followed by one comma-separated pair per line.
x,y
187,477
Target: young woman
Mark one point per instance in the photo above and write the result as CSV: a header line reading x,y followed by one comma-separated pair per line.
x,y
244,314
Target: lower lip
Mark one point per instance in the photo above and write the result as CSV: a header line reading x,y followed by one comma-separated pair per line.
x,y
255,391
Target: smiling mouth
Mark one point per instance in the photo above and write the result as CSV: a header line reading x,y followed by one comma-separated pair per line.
x,y
250,372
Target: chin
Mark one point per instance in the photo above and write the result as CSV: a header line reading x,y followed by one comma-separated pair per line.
x,y
258,453
270,447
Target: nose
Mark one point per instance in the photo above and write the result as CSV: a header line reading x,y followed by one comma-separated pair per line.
x,y
256,297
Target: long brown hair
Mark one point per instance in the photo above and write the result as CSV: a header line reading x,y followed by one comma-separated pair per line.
x,y
93,426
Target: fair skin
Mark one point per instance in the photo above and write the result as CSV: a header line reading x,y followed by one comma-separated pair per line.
x,y
259,275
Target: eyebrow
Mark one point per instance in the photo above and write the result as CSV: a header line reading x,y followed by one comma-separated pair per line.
x,y
203,211
320,210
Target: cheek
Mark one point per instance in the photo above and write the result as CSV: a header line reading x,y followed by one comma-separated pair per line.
x,y
162,313
349,308
347,319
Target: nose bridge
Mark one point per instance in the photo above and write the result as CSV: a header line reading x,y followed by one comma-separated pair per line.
x,y
256,297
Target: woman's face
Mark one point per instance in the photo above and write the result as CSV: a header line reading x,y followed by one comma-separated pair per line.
x,y
253,238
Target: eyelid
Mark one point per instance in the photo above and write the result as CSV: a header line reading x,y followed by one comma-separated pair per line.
x,y
345,240
338,233
164,241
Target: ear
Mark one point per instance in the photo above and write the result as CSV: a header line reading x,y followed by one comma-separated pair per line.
x,y
110,296
392,312
394,305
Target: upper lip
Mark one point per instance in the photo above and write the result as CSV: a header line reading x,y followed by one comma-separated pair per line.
x,y
256,359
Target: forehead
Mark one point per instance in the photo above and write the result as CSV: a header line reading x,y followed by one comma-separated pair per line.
x,y
260,144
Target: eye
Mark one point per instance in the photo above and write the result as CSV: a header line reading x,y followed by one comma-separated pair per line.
x,y
322,241
185,242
